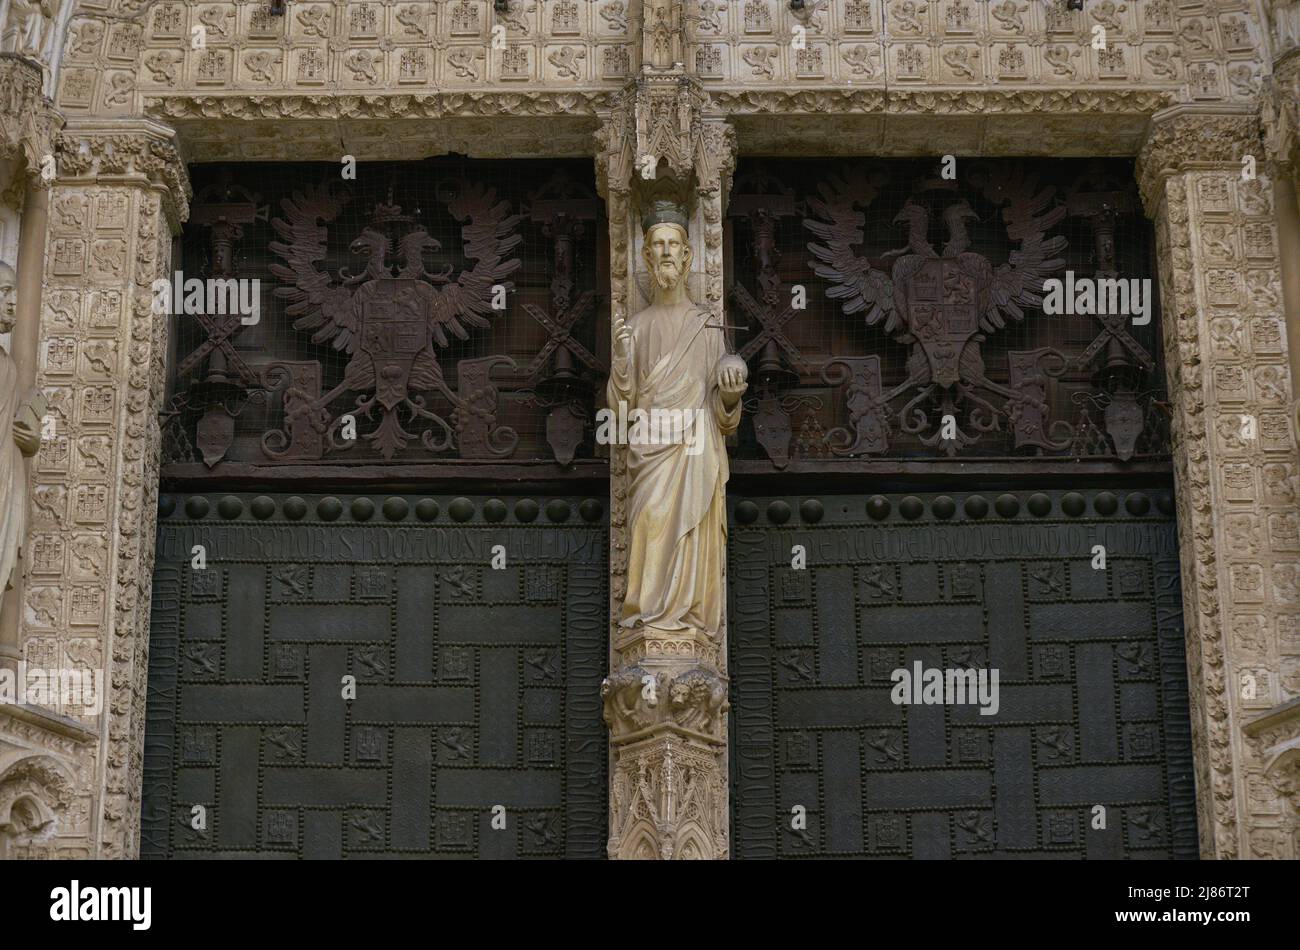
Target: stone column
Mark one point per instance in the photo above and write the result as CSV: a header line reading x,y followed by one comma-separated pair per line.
x,y
666,696
121,193
1234,455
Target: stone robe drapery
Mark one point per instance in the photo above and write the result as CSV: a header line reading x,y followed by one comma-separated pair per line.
x,y
676,508
13,474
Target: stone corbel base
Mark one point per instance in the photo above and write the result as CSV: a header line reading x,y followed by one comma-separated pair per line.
x,y
668,793
669,799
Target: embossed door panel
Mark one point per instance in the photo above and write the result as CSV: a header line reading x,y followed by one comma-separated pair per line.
x,y
475,686
1092,676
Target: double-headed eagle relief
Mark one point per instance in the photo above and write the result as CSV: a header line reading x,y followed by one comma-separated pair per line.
x,y
943,300
391,314
892,311
431,312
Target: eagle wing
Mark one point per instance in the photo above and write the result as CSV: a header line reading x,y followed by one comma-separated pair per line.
x,y
1028,214
486,227
315,300
856,282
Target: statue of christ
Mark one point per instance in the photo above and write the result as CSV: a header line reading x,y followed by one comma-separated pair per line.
x,y
671,358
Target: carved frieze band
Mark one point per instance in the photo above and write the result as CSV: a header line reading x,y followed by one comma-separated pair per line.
x,y
430,105
1198,50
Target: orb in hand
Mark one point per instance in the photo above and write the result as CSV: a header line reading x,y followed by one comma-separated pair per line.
x,y
731,363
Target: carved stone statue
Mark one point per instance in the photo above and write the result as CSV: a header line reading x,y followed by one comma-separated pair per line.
x,y
16,436
671,359
29,24
1285,20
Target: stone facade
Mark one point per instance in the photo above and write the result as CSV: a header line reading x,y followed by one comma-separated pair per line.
x,y
119,95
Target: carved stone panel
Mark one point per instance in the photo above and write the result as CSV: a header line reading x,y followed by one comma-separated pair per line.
x,y
1091,691
475,687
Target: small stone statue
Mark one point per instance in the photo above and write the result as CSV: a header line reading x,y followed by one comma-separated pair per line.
x,y
30,23
1285,17
17,439
671,358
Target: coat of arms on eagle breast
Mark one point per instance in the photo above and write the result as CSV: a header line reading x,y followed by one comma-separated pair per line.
x,y
391,317
942,302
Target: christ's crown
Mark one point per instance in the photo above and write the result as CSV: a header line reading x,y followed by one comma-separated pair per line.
x,y
664,212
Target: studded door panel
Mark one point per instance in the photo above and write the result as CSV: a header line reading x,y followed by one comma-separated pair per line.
x,y
1092,678
475,687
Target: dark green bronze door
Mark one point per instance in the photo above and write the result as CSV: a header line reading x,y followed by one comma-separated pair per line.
x,y
1092,722
475,687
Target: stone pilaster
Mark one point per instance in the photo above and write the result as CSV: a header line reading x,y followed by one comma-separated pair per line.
x,y
666,697
121,193
1234,454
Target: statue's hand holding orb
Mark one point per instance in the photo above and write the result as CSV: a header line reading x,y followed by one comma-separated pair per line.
x,y
733,378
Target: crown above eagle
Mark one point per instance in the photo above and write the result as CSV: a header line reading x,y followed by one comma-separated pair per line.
x,y
389,213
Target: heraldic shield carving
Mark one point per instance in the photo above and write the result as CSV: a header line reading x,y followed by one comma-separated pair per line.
x,y
423,314
944,301
391,318
889,311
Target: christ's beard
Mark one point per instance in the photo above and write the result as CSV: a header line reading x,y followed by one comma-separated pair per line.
x,y
667,275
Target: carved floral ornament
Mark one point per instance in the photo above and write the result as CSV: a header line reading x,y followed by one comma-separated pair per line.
x,y
1186,140
351,106
34,793
720,102
147,154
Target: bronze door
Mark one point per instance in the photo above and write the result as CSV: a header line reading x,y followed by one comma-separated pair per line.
x,y
425,325
475,687
1092,684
